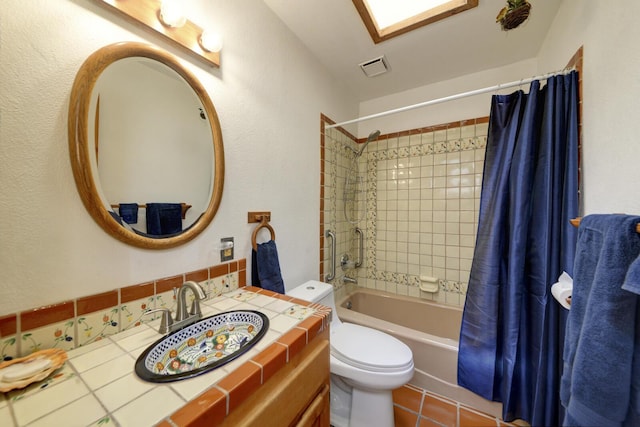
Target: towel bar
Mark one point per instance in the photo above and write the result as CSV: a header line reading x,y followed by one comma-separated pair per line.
x,y
576,223
264,223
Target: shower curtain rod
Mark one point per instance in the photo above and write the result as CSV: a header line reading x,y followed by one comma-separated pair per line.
x,y
452,98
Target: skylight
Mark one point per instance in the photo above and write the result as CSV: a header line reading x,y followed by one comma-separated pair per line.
x,y
385,19
389,12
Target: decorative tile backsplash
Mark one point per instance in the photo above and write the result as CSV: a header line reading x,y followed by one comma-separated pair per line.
x,y
72,324
416,197
96,386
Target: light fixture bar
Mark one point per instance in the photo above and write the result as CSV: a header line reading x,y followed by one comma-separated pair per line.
x,y
146,13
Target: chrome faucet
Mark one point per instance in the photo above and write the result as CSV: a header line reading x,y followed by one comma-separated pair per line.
x,y
347,279
183,317
181,301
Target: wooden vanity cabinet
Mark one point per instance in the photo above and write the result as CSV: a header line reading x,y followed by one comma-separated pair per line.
x,y
298,395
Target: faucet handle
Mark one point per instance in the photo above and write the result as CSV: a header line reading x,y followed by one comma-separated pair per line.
x,y
166,322
195,309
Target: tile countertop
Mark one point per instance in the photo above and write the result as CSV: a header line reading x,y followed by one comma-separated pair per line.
x,y
97,385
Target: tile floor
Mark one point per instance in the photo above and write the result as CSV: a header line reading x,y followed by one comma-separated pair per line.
x,y
415,407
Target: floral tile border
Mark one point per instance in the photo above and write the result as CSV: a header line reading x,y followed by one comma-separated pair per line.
x,y
75,330
56,335
132,312
94,326
222,284
8,347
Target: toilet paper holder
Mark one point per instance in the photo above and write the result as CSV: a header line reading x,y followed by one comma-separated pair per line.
x,y
562,290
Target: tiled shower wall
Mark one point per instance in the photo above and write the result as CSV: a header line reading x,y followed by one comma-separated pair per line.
x,y
417,203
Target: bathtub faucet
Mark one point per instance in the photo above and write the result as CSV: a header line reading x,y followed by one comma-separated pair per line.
x,y
346,279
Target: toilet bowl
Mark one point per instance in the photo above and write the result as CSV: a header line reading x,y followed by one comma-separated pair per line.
x,y
366,365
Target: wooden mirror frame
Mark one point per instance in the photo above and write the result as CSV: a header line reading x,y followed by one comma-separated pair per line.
x,y
80,148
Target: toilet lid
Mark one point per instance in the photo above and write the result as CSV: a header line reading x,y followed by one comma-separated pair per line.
x,y
370,349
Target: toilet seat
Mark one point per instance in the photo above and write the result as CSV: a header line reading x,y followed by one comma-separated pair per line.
x,y
369,349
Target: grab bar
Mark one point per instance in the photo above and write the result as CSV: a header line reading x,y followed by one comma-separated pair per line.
x,y
332,257
360,247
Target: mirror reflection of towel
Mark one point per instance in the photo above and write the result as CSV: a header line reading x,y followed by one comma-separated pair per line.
x,y
128,212
267,267
164,218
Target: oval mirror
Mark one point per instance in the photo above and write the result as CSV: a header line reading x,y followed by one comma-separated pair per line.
x,y
146,146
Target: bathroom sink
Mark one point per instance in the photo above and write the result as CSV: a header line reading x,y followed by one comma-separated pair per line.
x,y
201,347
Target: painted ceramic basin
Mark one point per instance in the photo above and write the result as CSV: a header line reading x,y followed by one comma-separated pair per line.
x,y
201,347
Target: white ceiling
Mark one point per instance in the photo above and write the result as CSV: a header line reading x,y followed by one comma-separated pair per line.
x,y
465,43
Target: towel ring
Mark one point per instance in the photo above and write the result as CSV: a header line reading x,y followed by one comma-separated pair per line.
x,y
264,223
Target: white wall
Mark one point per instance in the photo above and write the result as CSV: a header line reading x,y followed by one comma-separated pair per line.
x,y
609,32
269,94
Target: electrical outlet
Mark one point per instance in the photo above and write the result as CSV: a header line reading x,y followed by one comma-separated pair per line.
x,y
226,253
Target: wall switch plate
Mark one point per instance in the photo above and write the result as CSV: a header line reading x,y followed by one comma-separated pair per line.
x,y
226,254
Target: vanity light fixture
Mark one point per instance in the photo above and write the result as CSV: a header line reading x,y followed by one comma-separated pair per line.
x,y
160,17
210,41
171,14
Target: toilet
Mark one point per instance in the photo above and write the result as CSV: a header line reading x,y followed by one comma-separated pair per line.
x,y
366,365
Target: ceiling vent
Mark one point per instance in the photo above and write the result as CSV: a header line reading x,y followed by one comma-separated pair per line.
x,y
375,67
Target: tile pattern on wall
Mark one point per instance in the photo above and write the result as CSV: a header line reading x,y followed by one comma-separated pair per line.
x,y
423,196
85,320
416,197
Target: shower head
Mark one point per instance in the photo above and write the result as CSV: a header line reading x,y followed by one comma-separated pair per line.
x,y
372,137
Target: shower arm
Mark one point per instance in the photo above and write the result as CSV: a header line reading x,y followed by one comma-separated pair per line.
x,y
358,231
332,256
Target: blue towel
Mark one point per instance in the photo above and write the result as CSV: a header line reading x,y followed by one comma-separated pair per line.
x,y
268,267
164,218
116,217
601,328
632,281
632,284
255,281
128,212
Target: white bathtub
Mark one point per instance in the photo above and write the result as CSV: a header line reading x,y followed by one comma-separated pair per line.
x,y
431,330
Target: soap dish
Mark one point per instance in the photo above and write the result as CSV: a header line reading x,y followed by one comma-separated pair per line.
x,y
19,373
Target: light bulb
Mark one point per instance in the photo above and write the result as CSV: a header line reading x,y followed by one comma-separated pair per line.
x,y
171,14
211,41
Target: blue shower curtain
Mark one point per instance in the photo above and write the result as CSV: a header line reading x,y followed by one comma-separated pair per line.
x,y
512,329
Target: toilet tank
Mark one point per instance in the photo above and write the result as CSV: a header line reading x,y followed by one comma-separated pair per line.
x,y
314,291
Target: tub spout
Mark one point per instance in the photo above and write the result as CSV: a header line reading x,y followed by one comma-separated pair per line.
x,y
346,279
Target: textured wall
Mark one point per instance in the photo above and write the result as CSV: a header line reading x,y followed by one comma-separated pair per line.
x,y
611,87
269,94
